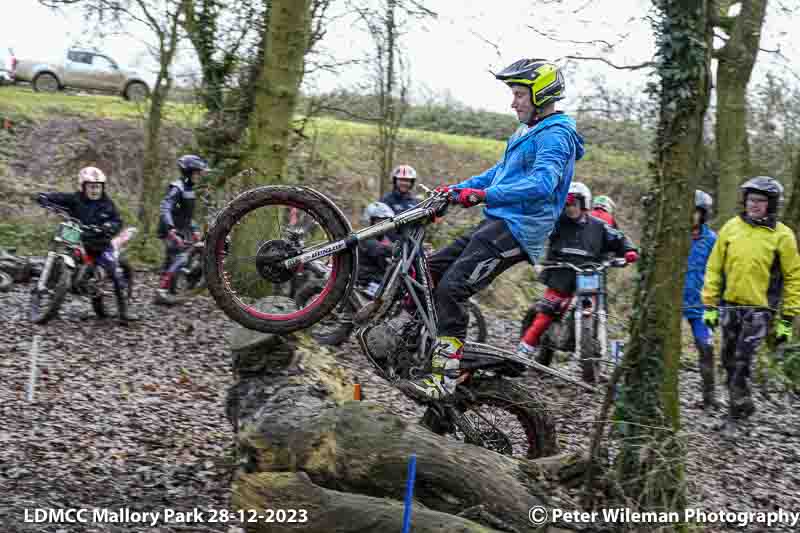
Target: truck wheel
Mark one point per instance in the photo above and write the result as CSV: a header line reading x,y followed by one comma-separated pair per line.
x,y
136,92
45,82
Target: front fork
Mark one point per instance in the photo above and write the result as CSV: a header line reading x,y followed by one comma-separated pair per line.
x,y
41,285
597,305
602,326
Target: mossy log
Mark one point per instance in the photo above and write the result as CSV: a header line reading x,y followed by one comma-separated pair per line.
x,y
304,445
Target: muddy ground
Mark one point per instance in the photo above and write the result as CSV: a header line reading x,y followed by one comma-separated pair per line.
x,y
134,417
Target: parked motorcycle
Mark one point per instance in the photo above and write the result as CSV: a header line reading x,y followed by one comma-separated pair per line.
x,y
582,326
69,267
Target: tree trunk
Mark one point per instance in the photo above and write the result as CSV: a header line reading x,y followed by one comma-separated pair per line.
x,y
735,64
278,88
271,123
227,113
152,186
303,445
152,183
792,214
651,460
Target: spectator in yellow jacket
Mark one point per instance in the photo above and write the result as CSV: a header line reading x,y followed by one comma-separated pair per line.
x,y
754,260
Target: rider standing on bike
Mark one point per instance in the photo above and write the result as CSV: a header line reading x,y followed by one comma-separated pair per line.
x,y
175,225
603,208
401,198
524,193
374,254
578,238
755,256
703,240
97,213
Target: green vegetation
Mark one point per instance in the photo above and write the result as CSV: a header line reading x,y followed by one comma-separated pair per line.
x,y
336,158
29,238
24,102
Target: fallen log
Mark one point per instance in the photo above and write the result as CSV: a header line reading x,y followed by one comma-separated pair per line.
x,y
303,444
323,509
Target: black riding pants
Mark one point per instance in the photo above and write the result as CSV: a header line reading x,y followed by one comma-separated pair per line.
x,y
468,265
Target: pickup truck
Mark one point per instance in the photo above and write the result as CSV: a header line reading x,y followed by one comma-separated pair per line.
x,y
82,69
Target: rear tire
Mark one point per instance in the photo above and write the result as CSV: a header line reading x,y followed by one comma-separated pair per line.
x,y
136,92
249,201
59,285
46,82
538,426
339,331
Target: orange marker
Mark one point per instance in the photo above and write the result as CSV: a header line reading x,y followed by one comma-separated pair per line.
x,y
357,392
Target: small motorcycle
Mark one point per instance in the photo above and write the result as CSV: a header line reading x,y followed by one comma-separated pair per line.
x,y
582,325
69,267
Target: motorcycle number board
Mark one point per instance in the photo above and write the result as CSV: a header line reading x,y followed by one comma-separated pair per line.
x,y
69,233
588,282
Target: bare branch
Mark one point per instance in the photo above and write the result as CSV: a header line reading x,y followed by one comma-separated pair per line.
x,y
777,51
639,66
487,41
555,39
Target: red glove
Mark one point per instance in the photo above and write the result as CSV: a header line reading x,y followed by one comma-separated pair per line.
x,y
470,197
631,257
443,188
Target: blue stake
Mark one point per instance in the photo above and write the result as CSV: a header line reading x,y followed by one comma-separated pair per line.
x,y
412,473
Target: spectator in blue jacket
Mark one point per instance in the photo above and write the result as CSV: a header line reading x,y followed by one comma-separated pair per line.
x,y
524,193
703,240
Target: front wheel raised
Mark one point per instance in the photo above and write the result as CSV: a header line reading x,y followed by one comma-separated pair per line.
x,y
248,244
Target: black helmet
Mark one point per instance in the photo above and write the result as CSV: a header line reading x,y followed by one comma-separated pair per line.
x,y
770,187
190,163
544,79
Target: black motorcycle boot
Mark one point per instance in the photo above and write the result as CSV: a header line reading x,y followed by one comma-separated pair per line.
x,y
741,404
706,363
123,313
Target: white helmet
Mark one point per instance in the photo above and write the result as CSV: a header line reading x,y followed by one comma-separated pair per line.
x,y
605,203
404,172
376,210
91,175
581,190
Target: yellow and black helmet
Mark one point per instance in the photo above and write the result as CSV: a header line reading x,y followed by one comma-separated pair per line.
x,y
544,79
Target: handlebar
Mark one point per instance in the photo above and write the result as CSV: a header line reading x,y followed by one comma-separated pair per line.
x,y
66,216
60,212
596,267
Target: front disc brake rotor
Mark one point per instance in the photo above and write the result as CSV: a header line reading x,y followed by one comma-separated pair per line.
x,y
269,261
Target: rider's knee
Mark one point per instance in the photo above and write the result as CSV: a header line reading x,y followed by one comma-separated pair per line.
x,y
548,307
